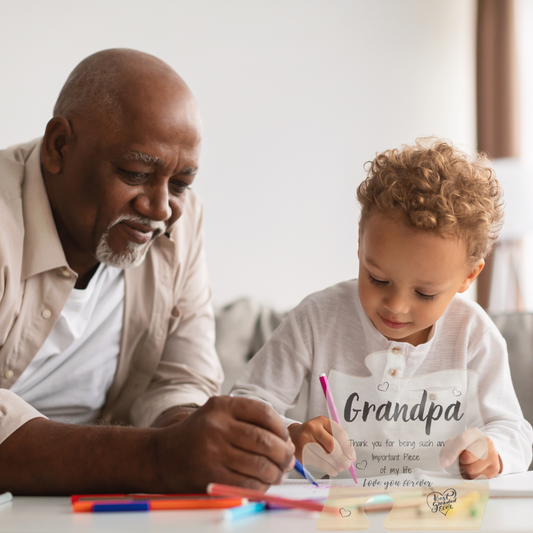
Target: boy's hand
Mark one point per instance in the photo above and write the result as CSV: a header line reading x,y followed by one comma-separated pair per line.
x,y
332,454
476,452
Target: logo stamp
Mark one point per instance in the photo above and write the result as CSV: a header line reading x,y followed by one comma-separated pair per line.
x,y
437,501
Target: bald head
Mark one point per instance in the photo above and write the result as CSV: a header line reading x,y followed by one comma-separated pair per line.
x,y
104,84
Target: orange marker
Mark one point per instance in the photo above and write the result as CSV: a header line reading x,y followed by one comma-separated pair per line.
x,y
159,502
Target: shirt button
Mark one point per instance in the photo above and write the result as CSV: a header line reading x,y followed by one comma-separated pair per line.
x,y
46,314
432,397
65,272
392,371
396,350
8,374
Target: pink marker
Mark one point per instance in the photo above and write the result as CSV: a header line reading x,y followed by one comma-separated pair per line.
x,y
333,410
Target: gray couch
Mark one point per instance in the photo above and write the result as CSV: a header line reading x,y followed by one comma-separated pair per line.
x,y
517,329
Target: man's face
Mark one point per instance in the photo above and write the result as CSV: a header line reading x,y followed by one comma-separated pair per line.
x,y
407,277
124,184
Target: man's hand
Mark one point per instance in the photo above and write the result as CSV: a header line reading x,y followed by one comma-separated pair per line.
x,y
235,441
476,452
174,415
229,440
325,447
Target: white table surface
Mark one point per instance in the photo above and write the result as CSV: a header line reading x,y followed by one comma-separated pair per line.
x,y
54,515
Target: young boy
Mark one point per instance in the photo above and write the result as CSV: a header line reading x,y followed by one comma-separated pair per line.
x,y
429,217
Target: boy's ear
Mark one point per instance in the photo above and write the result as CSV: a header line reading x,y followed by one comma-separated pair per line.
x,y
473,274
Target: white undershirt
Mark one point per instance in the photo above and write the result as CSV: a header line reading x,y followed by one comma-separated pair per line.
x,y
69,377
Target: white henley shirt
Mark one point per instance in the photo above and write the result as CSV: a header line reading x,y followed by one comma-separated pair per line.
x,y
329,330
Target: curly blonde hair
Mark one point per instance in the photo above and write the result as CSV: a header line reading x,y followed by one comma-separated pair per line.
x,y
436,187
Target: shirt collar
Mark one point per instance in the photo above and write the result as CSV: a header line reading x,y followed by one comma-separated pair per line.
x,y
42,247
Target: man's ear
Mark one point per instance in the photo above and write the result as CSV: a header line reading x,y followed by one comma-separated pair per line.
x,y
58,133
474,273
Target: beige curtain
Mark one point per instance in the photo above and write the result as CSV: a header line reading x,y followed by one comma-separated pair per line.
x,y
497,96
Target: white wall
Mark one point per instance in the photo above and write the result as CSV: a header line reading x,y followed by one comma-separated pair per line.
x,y
296,95
524,23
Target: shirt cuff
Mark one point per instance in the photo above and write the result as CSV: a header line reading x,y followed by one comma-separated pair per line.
x,y
14,413
289,421
149,407
513,461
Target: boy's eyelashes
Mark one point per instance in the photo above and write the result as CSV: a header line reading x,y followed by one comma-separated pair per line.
x,y
376,281
380,283
425,296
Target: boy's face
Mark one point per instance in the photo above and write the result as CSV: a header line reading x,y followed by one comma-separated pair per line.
x,y
407,276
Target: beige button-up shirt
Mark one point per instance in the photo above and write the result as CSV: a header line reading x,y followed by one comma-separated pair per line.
x,y
167,354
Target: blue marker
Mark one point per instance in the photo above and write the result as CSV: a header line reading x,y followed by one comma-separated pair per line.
x,y
300,468
244,510
118,507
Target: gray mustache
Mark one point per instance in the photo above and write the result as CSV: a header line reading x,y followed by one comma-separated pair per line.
x,y
157,227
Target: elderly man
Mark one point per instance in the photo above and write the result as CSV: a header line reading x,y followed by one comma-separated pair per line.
x,y
105,307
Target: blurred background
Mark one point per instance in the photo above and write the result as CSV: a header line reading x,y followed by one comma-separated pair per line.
x,y
296,95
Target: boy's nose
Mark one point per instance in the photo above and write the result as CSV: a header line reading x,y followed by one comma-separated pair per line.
x,y
396,305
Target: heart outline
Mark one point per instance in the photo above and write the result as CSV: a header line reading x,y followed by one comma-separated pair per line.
x,y
456,392
346,513
383,387
362,465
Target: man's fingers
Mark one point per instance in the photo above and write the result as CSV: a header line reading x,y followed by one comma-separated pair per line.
x,y
262,442
253,466
236,479
254,412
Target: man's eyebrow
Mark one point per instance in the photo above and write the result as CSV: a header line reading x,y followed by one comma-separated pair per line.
x,y
135,155
189,170
141,157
